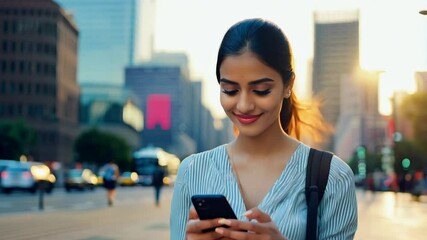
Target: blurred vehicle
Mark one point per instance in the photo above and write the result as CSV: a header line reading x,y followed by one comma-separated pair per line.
x,y
147,159
80,179
128,179
28,176
5,163
100,177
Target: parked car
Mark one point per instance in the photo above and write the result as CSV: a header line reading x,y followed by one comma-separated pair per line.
x,y
128,179
100,177
29,176
80,179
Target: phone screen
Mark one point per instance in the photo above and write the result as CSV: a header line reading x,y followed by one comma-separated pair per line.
x,y
212,206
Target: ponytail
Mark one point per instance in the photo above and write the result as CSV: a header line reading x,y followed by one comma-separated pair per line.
x,y
303,120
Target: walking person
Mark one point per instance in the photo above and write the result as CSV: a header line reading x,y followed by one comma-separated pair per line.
x,y
262,172
158,175
111,173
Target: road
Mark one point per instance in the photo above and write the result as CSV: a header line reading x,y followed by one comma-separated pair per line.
x,y
388,215
74,200
85,216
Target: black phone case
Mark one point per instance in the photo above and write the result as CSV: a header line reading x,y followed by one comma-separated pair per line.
x,y
210,206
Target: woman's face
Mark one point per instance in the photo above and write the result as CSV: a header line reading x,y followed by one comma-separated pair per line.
x,y
251,93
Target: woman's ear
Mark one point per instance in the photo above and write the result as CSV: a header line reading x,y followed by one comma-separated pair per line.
x,y
288,89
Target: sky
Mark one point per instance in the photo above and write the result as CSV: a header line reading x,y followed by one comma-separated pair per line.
x,y
393,35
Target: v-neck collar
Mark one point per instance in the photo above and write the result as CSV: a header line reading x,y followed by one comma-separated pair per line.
x,y
280,187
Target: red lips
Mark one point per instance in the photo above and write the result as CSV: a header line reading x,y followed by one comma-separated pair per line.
x,y
247,119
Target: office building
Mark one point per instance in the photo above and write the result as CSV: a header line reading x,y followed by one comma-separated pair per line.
x,y
359,122
38,64
161,90
336,54
114,34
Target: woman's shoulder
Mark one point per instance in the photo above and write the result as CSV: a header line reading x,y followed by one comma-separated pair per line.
x,y
341,176
339,169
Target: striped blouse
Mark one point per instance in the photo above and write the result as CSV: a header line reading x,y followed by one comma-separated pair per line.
x,y
210,172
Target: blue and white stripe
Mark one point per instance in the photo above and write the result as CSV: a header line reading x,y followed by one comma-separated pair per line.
x,y
211,172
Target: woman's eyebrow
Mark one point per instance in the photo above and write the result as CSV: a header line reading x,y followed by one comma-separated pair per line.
x,y
224,80
262,80
255,82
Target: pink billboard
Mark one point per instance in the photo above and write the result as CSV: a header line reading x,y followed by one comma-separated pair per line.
x,y
158,111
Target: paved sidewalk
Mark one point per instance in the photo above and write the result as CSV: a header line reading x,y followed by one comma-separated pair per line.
x,y
129,220
381,216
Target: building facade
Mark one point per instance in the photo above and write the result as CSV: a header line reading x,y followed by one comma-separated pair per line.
x,y
38,65
160,89
336,54
114,34
359,122
174,116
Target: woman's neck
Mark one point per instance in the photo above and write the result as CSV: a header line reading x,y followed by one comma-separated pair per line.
x,y
264,144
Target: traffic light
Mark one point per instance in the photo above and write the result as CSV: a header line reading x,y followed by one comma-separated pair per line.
x,y
406,163
361,167
361,153
361,161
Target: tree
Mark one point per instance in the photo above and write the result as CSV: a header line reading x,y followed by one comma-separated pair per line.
x,y
16,138
372,160
94,146
414,110
408,150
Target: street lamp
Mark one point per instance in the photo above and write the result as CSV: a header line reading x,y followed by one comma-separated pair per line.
x,y
423,12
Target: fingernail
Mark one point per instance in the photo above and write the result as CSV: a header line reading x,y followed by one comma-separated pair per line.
x,y
219,230
249,212
224,221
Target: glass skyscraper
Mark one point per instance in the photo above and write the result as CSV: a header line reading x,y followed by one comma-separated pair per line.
x,y
108,36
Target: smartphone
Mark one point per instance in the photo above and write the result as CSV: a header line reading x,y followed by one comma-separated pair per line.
x,y
210,206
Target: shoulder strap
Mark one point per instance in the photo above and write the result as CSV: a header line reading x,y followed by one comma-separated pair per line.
x,y
318,165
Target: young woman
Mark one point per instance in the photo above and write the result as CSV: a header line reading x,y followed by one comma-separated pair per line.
x,y
262,171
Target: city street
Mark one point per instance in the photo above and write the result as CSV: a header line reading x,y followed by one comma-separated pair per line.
x,y
85,216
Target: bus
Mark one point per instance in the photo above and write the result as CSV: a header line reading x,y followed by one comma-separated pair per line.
x,y
146,159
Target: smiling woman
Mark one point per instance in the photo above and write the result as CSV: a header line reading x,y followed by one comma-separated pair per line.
x,y
261,172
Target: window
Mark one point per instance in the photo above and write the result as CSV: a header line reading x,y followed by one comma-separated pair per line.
x,y
4,46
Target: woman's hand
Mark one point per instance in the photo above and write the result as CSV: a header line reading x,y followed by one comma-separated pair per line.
x,y
262,228
195,227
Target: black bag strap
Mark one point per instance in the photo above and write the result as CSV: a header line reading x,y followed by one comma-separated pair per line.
x,y
316,179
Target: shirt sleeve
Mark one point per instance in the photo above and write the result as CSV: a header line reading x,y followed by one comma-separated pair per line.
x,y
338,209
181,203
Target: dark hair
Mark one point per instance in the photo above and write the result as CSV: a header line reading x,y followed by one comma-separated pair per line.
x,y
268,42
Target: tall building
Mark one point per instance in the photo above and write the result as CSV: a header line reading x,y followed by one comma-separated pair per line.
x,y
336,54
38,64
113,35
161,90
144,34
174,116
359,122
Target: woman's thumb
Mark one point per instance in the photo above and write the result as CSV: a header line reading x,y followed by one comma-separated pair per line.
x,y
257,214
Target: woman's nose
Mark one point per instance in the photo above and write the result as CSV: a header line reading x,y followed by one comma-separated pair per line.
x,y
245,103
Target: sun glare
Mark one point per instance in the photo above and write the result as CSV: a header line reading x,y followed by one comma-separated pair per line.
x,y
393,40
391,82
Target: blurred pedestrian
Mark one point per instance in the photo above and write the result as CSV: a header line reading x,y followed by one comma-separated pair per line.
x,y
158,175
111,173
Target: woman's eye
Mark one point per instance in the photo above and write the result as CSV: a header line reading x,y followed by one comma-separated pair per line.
x,y
262,93
230,92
